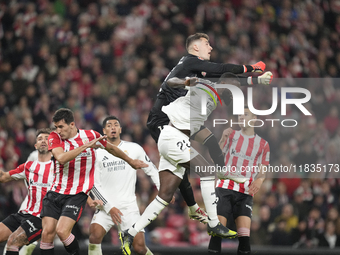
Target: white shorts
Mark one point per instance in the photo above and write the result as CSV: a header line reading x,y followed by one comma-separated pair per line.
x,y
130,216
174,148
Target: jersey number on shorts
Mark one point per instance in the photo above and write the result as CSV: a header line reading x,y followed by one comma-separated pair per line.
x,y
182,145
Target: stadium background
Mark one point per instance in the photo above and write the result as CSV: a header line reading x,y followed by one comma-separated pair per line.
x,y
110,57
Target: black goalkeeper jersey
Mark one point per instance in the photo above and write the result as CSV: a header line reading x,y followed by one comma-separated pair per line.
x,y
188,66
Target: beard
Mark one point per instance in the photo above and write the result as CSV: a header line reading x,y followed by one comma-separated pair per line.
x,y
43,150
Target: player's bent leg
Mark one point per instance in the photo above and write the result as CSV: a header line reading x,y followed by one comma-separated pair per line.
x,y
206,138
186,191
139,244
49,225
243,232
17,239
5,232
168,184
215,228
97,233
195,212
64,229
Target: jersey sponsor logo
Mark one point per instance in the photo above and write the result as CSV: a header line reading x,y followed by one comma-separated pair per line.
x,y
85,154
114,165
32,227
240,155
39,184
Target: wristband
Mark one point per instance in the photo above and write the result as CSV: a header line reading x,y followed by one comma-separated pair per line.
x,y
252,80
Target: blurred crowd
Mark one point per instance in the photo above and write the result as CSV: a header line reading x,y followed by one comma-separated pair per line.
x,y
109,57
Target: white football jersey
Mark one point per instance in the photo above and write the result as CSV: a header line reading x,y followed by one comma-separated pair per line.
x,y
115,180
186,112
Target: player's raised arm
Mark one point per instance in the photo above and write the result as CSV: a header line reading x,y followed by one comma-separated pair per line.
x,y
64,157
264,79
134,163
181,83
5,176
226,133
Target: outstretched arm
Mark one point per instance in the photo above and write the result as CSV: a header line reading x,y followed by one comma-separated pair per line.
x,y
211,68
181,83
64,157
226,133
5,176
265,79
115,151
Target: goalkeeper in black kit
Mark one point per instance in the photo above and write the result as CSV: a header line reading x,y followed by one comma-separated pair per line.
x,y
197,64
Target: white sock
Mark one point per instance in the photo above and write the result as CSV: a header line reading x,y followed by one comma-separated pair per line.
x,y
151,212
193,208
28,249
95,249
148,252
209,198
5,248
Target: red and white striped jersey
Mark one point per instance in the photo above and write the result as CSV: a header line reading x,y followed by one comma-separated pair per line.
x,y
39,177
243,153
76,175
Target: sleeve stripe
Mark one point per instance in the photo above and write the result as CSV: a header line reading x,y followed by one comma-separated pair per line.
x,y
98,195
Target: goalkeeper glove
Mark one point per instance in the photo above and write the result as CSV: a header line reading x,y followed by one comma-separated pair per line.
x,y
265,78
257,67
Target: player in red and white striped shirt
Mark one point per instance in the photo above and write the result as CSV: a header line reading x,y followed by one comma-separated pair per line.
x,y
246,154
25,226
75,155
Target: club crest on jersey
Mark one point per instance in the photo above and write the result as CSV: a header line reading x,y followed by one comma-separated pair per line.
x,y
200,58
204,74
126,152
50,141
85,141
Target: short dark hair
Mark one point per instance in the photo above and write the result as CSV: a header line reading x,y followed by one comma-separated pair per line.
x,y
42,131
63,114
110,118
194,37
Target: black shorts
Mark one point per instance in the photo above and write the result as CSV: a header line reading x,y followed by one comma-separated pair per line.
x,y
29,223
56,205
233,204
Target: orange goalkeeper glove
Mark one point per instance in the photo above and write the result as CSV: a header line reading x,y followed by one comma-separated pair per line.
x,y
257,67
